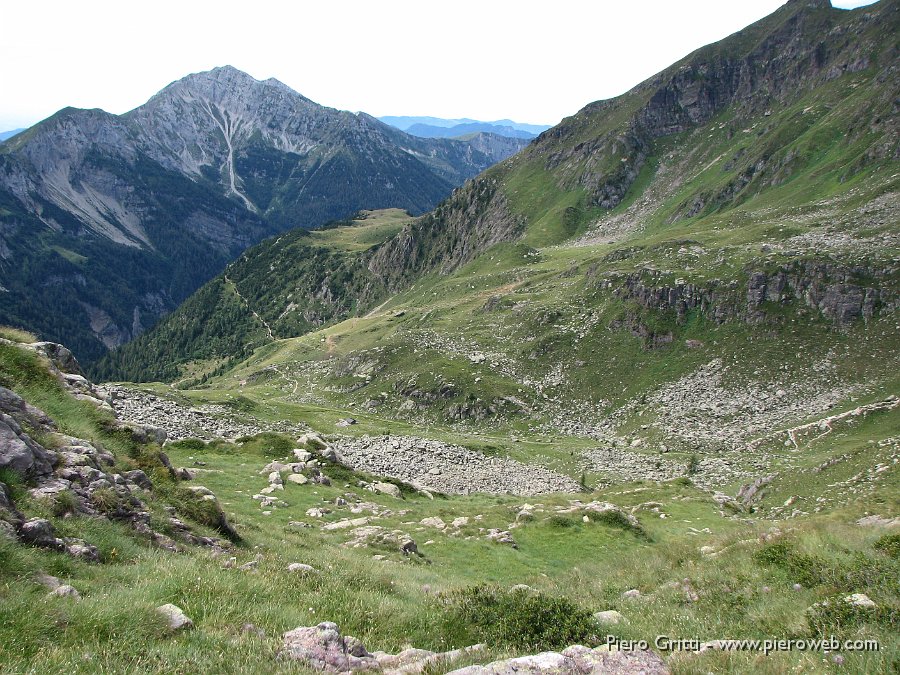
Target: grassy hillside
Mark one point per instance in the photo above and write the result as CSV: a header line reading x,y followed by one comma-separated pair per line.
x,y
322,275
700,570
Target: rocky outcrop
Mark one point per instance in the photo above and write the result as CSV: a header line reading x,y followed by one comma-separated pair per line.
x,y
473,219
841,294
78,477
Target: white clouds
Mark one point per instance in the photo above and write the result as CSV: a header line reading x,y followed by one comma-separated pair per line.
x,y
483,59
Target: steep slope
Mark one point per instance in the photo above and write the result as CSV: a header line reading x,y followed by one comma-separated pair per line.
x,y
284,286
107,222
767,158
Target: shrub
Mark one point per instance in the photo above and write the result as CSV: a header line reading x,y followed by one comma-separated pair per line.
x,y
521,619
693,465
836,616
803,568
889,544
65,502
190,444
561,522
615,519
105,499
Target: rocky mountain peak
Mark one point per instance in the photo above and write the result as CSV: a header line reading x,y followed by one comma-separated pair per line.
x,y
809,4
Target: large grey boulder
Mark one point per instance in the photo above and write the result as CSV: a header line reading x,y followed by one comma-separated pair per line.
x,y
20,453
58,355
39,532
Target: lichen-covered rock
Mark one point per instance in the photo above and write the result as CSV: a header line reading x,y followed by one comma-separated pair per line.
x,y
320,647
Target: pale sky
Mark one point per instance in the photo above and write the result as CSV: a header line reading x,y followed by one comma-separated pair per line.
x,y
484,59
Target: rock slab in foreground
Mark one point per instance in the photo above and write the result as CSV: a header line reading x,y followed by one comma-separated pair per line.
x,y
576,660
323,648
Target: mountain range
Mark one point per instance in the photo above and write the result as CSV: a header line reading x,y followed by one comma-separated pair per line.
x,y
108,222
435,127
404,123
797,108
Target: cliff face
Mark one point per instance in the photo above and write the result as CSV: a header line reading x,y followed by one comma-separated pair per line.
x,y
475,218
802,46
838,293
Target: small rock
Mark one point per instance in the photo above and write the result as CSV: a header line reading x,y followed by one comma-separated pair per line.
x,y
860,600
302,568
48,581
250,629
175,618
632,594
66,591
610,617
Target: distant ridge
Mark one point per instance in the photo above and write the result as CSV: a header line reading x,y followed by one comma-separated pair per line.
x,y
9,134
437,127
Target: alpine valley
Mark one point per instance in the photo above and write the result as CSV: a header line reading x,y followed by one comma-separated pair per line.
x,y
512,409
